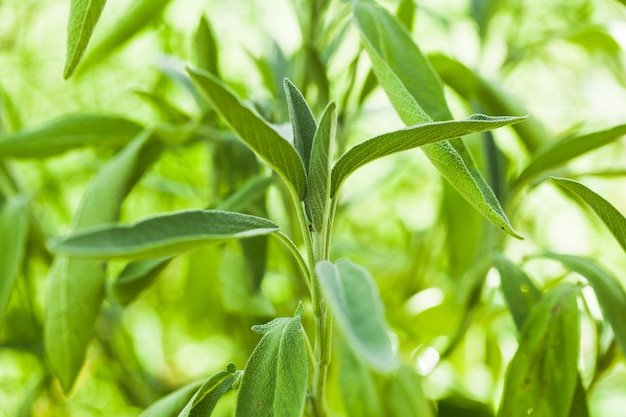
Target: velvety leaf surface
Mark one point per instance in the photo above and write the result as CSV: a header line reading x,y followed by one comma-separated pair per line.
x,y
254,131
161,235
358,310
611,217
67,133
302,121
13,237
541,378
204,400
319,170
136,277
276,376
172,404
84,15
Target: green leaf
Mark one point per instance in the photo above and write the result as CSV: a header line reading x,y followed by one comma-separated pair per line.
x,y
611,217
84,15
405,396
205,399
172,404
67,133
254,131
541,378
409,138
13,238
206,47
245,195
356,386
556,153
302,121
136,277
276,376
76,288
162,235
610,293
358,310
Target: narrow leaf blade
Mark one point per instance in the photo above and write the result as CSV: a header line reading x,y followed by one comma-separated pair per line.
x,y
84,15
170,405
205,399
302,120
136,277
356,385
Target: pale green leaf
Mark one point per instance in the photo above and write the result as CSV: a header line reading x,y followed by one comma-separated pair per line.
x,y
356,385
405,396
358,310
13,237
162,235
409,138
254,131
206,47
276,376
67,133
84,15
541,377
136,277
205,399
173,403
302,121
246,194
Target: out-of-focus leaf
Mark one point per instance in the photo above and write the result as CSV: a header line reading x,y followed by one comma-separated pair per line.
x,y
84,15
68,133
136,277
276,376
77,286
356,385
13,237
456,406
541,378
162,235
611,217
254,131
610,293
404,395
358,310
406,13
167,110
246,194
302,121
409,138
556,153
172,404
206,47
316,71
205,399
9,116
595,38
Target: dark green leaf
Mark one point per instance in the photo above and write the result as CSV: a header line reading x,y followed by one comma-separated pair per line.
x,y
13,237
611,217
172,404
254,131
162,235
68,133
541,378
136,277
358,310
276,376
206,47
356,385
302,121
205,399
84,15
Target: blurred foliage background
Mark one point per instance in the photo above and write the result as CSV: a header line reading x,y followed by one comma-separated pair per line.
x,y
562,61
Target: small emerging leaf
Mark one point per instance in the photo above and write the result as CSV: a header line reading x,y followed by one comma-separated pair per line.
x,y
84,15
205,399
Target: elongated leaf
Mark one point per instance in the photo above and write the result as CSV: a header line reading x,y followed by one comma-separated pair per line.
x,y
275,380
13,236
76,286
254,131
136,277
302,121
417,94
611,217
358,310
84,15
162,235
172,404
205,399
356,385
405,396
412,137
541,378
246,194
610,293
68,133
557,153
206,47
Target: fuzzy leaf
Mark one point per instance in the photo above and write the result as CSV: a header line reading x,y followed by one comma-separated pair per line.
x,y
276,376
358,310
541,378
302,121
136,277
67,133
13,238
162,235
204,400
84,15
254,131
172,404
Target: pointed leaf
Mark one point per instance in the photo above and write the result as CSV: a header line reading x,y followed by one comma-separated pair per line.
x,y
611,217
13,238
409,138
205,399
162,235
84,15
206,47
358,310
170,405
136,277
541,378
276,376
246,194
68,133
254,131
302,121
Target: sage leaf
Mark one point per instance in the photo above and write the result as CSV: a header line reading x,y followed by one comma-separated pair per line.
x,y
84,15
609,292
541,378
405,396
275,380
76,288
206,47
302,121
254,131
13,239
204,400
67,133
409,138
356,385
172,404
611,217
162,235
358,310
247,194
136,277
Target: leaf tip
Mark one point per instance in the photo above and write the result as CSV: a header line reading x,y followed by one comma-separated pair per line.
x,y
299,310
